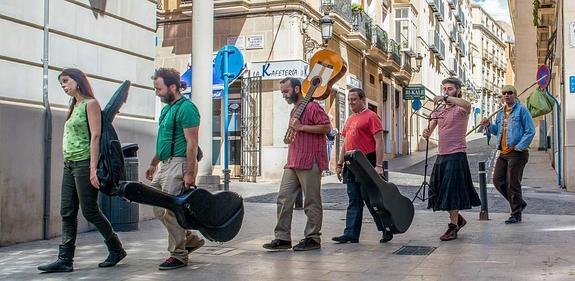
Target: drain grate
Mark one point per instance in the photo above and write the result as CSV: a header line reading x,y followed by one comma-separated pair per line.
x,y
215,251
414,251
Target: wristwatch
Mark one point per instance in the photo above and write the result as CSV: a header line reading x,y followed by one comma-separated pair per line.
x,y
445,97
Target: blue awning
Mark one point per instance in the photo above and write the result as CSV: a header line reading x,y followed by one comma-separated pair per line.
x,y
217,83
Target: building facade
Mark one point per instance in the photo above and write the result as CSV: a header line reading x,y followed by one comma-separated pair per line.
x,y
443,33
489,61
362,34
42,38
509,40
546,34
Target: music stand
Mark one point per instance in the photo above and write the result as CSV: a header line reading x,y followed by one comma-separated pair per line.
x,y
425,185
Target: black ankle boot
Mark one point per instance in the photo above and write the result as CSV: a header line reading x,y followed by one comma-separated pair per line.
x,y
64,263
116,254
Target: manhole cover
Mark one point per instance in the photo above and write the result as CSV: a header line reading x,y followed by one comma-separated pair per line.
x,y
415,251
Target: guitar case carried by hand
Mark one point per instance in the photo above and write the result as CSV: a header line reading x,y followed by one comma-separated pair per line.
x,y
395,210
218,216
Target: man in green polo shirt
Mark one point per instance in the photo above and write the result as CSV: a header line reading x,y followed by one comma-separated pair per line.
x,y
176,151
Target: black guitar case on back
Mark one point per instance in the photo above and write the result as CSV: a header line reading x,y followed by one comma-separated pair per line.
x,y
395,210
218,216
111,169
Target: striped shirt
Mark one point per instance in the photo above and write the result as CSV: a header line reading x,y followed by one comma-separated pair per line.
x,y
306,147
451,123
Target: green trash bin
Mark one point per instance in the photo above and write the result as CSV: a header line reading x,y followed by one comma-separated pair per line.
x,y
123,215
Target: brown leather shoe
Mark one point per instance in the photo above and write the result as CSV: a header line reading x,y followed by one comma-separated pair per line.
x,y
451,233
193,241
461,222
195,246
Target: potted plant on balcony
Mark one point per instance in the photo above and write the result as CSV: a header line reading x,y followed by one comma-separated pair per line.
x,y
356,12
356,7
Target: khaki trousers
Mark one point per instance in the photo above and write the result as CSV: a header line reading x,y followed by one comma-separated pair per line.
x,y
169,178
309,181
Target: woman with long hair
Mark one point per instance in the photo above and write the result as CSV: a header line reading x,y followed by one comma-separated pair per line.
x,y
81,148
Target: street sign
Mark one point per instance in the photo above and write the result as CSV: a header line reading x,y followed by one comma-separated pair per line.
x,y
572,84
416,104
414,92
235,62
543,76
229,63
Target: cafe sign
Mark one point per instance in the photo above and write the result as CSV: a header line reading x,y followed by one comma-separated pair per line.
x,y
414,92
277,70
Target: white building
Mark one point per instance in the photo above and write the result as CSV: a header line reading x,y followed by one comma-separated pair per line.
x,y
489,60
111,41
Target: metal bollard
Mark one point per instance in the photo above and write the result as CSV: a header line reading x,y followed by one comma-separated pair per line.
x,y
299,201
484,214
386,170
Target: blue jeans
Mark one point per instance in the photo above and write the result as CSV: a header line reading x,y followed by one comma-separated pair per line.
x,y
354,215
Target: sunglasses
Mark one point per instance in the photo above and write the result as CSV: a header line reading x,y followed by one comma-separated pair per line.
x,y
508,93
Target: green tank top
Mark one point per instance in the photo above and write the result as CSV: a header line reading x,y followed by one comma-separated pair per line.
x,y
76,141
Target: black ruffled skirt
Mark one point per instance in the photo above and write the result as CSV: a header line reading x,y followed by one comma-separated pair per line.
x,y
450,185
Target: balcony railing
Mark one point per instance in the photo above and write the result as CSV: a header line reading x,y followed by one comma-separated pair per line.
x,y
433,41
379,38
339,7
452,3
458,14
441,13
441,53
406,63
462,47
395,51
406,45
462,21
454,34
362,23
434,4
454,66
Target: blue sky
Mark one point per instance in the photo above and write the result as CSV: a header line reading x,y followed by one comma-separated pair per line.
x,y
497,9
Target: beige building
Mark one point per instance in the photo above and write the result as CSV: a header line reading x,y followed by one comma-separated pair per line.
x,y
548,39
509,40
376,57
111,41
489,59
444,34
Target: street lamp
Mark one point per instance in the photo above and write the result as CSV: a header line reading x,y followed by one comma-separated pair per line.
x,y
326,23
418,62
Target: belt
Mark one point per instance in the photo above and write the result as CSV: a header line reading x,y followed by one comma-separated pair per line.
x,y
173,158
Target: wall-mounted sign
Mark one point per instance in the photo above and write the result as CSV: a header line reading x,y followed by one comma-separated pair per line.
x,y
238,41
254,42
414,92
572,84
279,69
572,34
543,76
416,105
352,82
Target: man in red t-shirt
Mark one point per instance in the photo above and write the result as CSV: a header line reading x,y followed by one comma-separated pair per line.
x,y
307,158
362,131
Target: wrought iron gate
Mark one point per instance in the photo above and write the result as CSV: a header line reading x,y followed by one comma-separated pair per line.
x,y
251,128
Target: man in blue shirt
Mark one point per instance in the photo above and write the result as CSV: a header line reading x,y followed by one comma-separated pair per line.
x,y
515,130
